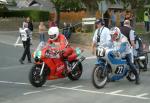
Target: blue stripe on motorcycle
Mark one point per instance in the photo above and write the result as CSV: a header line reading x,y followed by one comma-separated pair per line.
x,y
113,60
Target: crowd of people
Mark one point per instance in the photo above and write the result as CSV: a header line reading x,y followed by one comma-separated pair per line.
x,y
111,17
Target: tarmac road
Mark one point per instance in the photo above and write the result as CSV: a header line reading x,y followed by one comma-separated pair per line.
x,y
15,87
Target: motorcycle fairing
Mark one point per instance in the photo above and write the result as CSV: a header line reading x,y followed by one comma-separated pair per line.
x,y
119,76
113,60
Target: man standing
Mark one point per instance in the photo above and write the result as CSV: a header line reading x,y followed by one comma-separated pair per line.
x,y
128,32
101,35
30,27
146,20
25,32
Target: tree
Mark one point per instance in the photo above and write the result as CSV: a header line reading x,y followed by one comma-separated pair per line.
x,y
61,5
91,6
134,3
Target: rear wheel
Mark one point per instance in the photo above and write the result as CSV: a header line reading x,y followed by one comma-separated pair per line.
x,y
34,76
145,62
99,77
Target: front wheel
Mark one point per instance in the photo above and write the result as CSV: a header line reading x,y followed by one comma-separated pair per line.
x,y
131,76
99,77
34,76
76,73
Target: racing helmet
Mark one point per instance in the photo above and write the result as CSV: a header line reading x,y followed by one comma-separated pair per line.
x,y
115,33
53,33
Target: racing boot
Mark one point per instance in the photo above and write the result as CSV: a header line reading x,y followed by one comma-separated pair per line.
x,y
137,80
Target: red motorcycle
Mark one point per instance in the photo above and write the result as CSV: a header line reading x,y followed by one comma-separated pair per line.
x,y
50,65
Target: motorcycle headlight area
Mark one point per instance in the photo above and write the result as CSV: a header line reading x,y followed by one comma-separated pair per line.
x,y
100,52
37,54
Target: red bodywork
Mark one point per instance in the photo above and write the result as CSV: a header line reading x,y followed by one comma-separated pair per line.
x,y
56,65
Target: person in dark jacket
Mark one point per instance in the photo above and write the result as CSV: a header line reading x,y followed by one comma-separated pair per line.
x,y
30,27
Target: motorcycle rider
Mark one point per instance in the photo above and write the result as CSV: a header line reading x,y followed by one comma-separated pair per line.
x,y
60,43
101,35
123,48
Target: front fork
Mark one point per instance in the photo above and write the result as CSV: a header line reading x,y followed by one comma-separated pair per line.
x,y
104,67
41,72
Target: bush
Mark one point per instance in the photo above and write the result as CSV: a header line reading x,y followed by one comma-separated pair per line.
x,y
34,14
3,8
140,15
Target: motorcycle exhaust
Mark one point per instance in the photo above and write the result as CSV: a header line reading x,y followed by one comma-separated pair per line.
x,y
141,57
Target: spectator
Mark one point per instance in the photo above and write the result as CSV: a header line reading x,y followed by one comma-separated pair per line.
x,y
66,30
69,30
30,27
122,18
42,29
113,18
130,16
106,18
52,24
25,32
127,15
146,20
101,35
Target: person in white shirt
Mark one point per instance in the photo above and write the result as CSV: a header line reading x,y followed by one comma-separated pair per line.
x,y
101,35
25,32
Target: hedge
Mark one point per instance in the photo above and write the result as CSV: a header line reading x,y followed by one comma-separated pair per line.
x,y
34,14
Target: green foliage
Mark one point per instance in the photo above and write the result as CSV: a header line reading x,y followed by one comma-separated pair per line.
x,y
140,15
34,14
14,2
3,8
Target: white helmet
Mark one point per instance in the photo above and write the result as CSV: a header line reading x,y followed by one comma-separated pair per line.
x,y
115,33
53,33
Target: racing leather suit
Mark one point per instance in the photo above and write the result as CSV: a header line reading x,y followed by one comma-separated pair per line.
x,y
123,47
61,44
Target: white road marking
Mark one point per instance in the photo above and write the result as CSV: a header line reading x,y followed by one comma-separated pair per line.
x,y
28,93
131,96
115,92
77,87
97,92
50,89
31,92
82,90
141,95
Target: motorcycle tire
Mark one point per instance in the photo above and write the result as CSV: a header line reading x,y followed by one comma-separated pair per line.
x,y
131,76
99,80
76,73
145,63
34,76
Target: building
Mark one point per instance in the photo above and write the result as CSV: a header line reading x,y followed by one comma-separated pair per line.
x,y
45,5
